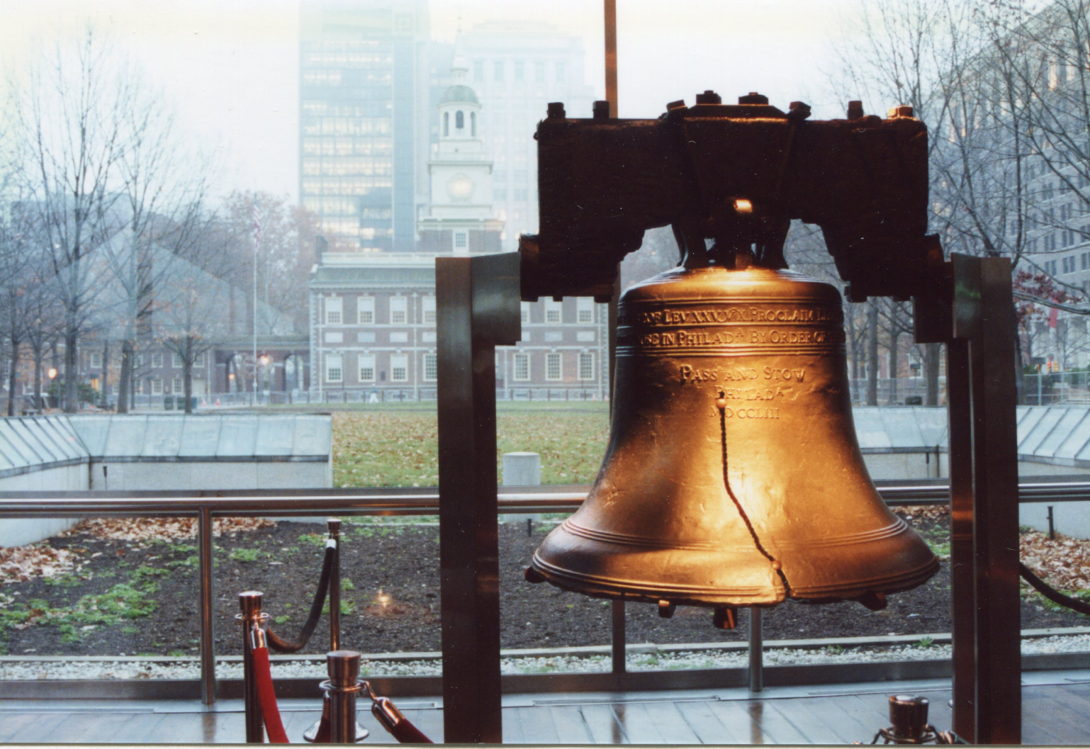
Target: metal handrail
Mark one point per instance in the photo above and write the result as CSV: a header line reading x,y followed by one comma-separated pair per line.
x,y
382,501
206,505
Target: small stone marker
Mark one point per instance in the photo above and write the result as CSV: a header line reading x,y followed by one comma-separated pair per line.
x,y
521,469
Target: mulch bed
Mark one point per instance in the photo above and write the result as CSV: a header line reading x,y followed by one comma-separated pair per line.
x,y
391,597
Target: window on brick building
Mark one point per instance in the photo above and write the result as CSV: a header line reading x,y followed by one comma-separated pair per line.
x,y
399,306
334,371
586,365
553,311
367,367
585,310
461,242
521,367
399,368
552,366
365,310
333,309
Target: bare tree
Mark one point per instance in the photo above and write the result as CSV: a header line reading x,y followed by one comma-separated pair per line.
x,y
285,255
161,180
69,123
192,308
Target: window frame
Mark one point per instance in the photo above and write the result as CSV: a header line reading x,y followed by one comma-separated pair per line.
x,y
329,368
361,360
337,309
520,358
587,356
550,358
395,360
401,308
365,304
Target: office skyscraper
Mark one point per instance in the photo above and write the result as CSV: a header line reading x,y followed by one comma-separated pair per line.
x,y
365,105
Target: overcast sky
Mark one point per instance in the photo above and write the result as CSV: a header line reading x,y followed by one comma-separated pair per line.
x,y
231,66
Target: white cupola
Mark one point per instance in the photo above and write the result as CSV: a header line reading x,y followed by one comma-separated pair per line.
x,y
459,109
460,173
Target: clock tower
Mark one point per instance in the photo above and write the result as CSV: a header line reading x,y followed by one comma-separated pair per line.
x,y
459,217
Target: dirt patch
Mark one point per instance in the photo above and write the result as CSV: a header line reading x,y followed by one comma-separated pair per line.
x,y
140,596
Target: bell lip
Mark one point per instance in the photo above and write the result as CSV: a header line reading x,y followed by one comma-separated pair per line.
x,y
907,580
653,594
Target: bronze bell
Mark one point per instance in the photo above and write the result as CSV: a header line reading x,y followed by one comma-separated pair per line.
x,y
733,476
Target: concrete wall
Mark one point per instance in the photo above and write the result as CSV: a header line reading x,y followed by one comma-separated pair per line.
x,y
22,531
193,475
904,465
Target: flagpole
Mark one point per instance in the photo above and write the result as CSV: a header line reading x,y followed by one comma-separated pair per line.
x,y
257,235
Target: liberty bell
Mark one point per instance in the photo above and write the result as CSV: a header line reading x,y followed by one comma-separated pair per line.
x,y
733,476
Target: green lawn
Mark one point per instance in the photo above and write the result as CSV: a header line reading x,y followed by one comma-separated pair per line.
x,y
397,446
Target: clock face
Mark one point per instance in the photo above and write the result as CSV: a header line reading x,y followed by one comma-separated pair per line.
x,y
460,187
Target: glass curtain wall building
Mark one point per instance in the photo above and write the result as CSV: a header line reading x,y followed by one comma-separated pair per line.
x,y
365,104
516,69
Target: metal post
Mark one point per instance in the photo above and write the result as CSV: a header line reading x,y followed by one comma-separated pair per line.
x,y
984,318
334,525
205,584
344,685
478,308
250,605
611,55
610,8
619,649
756,651
962,602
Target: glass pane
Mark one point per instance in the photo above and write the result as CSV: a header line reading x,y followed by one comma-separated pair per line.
x,y
122,591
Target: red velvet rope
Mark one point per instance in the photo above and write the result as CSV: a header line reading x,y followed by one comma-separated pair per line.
x,y
270,712
397,724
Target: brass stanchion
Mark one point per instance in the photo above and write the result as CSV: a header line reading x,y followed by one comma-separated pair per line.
x,y
341,689
334,525
249,603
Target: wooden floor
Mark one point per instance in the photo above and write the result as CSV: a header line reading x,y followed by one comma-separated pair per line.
x,y
1054,708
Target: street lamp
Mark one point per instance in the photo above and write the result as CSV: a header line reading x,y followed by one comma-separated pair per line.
x,y
52,373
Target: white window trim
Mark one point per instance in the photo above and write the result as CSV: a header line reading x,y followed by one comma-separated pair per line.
x,y
593,366
403,304
551,307
584,307
363,359
365,304
337,308
515,368
434,359
459,249
559,369
339,367
395,359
